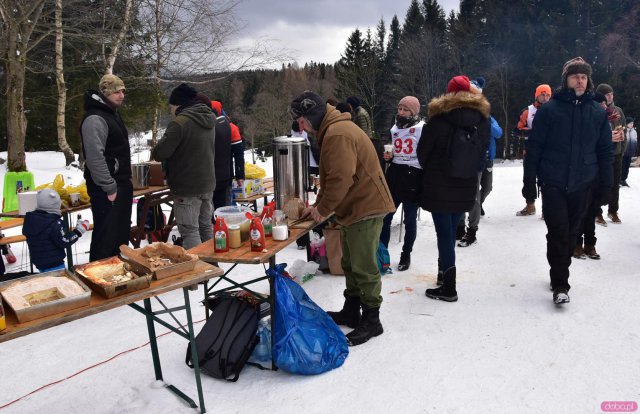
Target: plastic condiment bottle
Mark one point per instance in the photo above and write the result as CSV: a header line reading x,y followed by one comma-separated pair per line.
x,y
220,236
256,234
235,240
267,221
3,323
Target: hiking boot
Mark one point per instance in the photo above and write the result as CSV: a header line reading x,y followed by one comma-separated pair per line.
x,y
578,252
447,291
614,217
560,296
469,238
350,313
590,251
405,261
368,327
600,220
528,210
460,232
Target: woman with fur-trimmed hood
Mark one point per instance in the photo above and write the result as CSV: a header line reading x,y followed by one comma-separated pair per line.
x,y
447,197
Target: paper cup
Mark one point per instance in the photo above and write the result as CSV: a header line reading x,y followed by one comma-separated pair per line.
x,y
388,148
75,198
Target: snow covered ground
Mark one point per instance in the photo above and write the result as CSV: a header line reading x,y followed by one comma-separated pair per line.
x,y
502,348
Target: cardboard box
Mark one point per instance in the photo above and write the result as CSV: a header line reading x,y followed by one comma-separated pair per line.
x,y
53,306
248,189
156,175
140,281
139,259
27,201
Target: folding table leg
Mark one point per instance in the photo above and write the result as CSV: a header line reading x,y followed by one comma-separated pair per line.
x,y
272,304
194,351
153,343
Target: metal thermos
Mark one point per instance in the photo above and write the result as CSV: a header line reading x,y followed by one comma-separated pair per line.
x,y
290,169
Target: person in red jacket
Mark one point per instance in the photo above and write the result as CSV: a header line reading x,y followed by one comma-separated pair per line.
x,y
525,123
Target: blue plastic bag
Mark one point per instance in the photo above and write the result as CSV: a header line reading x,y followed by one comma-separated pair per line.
x,y
307,340
384,259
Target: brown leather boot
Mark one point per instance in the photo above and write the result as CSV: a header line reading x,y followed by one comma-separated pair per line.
x,y
591,252
578,252
528,210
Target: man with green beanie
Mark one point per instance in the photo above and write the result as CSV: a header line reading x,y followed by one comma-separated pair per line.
x,y
353,188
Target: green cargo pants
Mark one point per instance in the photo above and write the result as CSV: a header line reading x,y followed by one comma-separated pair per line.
x,y
359,262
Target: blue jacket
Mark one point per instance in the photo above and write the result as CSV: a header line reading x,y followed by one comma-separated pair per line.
x,y
496,133
570,143
46,238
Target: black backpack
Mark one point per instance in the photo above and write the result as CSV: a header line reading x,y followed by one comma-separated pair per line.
x,y
466,152
227,339
155,217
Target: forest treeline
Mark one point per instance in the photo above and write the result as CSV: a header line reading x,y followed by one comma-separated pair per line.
x,y
515,45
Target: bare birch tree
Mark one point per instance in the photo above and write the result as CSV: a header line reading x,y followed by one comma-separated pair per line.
x,y
69,157
192,37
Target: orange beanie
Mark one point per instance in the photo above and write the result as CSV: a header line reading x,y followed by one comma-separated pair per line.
x,y
543,88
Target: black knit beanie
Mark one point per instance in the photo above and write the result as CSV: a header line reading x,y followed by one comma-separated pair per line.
x,y
182,94
310,106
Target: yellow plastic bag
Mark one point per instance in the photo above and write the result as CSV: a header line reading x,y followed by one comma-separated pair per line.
x,y
252,171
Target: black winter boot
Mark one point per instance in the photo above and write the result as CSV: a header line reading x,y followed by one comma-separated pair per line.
x,y
368,327
469,238
460,231
405,261
350,313
440,273
447,291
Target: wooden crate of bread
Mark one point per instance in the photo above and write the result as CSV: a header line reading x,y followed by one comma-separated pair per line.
x,y
160,259
44,294
112,277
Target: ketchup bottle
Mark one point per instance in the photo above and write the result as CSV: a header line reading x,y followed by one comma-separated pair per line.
x,y
256,234
220,236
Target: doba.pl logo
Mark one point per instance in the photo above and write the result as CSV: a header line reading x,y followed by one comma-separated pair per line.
x,y
619,406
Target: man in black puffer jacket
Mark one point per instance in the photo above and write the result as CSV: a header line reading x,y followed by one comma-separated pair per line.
x,y
569,148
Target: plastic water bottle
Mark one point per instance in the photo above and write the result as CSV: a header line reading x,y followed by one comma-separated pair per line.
x,y
262,352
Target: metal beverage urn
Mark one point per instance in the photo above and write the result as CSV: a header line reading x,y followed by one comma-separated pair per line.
x,y
290,169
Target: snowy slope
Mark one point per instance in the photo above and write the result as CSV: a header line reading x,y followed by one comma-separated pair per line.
x,y
502,348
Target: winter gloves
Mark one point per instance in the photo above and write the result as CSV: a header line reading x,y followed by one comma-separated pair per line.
x,y
82,226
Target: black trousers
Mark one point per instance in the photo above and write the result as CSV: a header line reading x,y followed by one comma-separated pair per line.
x,y
111,221
615,189
563,214
588,229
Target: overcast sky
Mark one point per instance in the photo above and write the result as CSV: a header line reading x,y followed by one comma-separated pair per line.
x,y
317,30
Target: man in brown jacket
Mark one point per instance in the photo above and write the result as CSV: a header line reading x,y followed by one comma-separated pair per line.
x,y
353,187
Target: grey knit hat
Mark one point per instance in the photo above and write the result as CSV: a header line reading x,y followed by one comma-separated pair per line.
x,y
49,201
604,88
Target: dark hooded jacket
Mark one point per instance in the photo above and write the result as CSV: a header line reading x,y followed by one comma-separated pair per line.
x,y
46,238
188,147
570,144
440,192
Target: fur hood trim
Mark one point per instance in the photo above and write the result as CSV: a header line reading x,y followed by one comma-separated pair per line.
x,y
450,101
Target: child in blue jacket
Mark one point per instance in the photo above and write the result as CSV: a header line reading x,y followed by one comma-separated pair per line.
x,y
46,237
